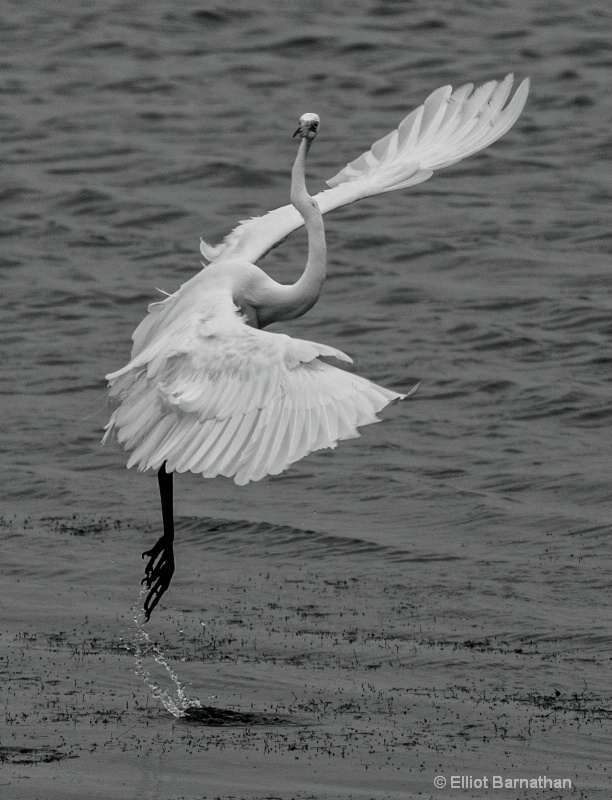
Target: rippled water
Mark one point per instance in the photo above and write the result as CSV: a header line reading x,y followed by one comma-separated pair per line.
x,y
131,128
130,131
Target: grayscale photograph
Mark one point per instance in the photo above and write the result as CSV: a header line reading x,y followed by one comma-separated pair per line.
x,y
306,400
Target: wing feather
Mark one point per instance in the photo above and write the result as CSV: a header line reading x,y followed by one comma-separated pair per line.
x,y
277,456
274,431
217,452
229,464
180,460
143,453
434,110
181,433
333,428
295,431
409,130
448,127
233,400
199,461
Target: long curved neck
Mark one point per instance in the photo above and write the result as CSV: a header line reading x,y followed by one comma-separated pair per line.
x,y
308,288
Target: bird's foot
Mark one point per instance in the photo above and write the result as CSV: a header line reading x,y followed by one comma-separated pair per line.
x,y
158,572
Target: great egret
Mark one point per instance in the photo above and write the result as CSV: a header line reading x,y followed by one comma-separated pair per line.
x,y
207,390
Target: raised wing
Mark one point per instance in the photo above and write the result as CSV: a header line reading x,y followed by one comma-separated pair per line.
x,y
449,126
213,396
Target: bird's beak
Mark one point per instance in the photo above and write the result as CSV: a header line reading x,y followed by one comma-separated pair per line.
x,y
306,132
307,129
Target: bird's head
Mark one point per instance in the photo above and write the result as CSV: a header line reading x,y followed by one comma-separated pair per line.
x,y
308,126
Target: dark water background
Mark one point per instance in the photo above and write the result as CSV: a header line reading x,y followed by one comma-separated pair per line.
x,y
129,129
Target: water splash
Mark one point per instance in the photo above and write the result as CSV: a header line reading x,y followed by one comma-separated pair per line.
x,y
175,701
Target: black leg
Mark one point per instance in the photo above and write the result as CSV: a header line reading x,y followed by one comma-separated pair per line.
x,y
160,567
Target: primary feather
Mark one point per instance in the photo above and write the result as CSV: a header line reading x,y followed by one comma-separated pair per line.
x,y
448,127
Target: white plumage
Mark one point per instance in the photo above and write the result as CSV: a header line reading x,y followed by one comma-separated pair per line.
x,y
207,393
447,128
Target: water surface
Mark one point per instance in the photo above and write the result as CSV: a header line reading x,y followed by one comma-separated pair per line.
x,y
129,129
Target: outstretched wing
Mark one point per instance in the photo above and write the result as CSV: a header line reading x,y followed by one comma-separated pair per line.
x,y
448,127
217,397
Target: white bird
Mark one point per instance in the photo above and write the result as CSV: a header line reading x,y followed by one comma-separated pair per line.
x,y
208,391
